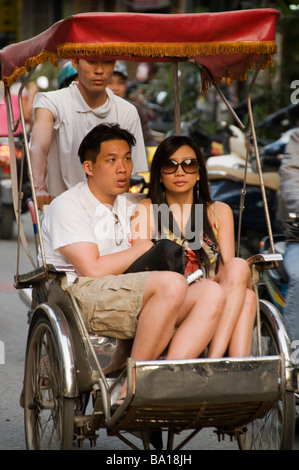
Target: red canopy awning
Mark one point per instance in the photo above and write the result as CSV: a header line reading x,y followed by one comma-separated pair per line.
x,y
228,43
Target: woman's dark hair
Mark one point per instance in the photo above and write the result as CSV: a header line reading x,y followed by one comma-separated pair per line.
x,y
90,146
201,191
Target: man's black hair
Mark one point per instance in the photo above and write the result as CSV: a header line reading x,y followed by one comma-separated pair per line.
x,y
90,146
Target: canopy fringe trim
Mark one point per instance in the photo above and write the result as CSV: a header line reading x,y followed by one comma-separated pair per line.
x,y
233,75
148,50
166,49
44,56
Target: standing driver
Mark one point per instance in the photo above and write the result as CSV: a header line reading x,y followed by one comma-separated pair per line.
x,y
63,118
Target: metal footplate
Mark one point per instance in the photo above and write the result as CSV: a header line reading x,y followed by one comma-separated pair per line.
x,y
192,394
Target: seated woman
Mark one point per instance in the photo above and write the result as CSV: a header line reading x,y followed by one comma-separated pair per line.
x,y
179,180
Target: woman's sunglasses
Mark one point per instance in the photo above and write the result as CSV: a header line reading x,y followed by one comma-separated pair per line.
x,y
190,165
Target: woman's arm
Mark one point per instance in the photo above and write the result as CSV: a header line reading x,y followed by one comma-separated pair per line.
x,y
142,222
226,234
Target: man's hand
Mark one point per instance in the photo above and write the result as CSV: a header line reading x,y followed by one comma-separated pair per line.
x,y
4,161
43,198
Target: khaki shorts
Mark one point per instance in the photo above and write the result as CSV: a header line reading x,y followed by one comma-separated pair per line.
x,y
110,305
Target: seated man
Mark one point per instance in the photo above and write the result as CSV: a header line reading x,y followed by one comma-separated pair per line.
x,y
88,226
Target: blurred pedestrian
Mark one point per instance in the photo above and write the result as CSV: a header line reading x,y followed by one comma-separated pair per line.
x,y
67,75
289,182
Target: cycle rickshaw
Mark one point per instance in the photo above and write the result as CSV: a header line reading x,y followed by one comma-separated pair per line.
x,y
250,398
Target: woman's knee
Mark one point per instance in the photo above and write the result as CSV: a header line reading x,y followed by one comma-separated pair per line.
x,y
237,270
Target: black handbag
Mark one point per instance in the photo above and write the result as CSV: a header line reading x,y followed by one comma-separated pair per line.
x,y
165,255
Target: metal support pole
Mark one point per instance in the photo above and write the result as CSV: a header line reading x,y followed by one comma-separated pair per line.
x,y
16,195
233,113
253,135
258,162
27,156
177,111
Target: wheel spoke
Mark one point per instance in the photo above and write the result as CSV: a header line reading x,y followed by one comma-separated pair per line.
x,y
275,429
265,433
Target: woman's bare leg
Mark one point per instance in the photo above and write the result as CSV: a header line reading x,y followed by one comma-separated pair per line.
x,y
241,340
234,277
198,320
164,296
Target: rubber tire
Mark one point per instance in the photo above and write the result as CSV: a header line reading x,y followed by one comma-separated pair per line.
x,y
284,411
40,400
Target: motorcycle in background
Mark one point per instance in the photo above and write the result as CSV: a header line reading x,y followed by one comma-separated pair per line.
x,y
236,149
226,176
227,186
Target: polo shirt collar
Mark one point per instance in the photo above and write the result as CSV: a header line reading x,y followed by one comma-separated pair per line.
x,y
81,106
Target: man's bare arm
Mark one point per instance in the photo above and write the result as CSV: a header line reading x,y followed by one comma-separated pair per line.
x,y
87,261
39,149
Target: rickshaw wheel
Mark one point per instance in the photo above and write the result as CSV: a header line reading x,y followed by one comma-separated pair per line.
x,y
275,431
49,416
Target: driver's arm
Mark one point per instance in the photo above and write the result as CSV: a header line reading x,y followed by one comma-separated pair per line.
x,y
40,145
